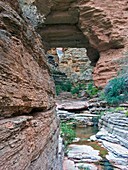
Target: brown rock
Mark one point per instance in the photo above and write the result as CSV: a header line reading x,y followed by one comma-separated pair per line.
x,y
107,67
99,26
24,75
29,138
27,141
76,65
105,23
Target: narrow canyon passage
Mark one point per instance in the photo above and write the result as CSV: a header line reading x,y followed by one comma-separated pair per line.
x,y
90,134
36,87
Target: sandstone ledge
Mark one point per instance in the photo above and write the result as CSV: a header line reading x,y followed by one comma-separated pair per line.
x,y
27,142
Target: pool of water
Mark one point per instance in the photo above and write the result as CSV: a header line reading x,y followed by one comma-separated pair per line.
x,y
84,133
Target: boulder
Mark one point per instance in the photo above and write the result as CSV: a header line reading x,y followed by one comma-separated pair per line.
x,y
83,153
72,105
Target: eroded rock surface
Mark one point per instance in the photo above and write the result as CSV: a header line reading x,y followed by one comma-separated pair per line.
x,y
80,157
99,26
114,137
28,124
25,81
27,142
72,105
76,64
117,125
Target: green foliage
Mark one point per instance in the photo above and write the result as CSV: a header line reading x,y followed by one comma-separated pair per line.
x,y
119,109
67,86
67,133
126,113
101,114
84,168
63,86
102,95
76,89
116,90
58,89
91,90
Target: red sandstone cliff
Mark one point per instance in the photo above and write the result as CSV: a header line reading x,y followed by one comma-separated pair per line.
x,y
28,125
100,26
108,24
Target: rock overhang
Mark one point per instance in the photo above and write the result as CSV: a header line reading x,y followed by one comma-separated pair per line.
x,y
72,23
97,26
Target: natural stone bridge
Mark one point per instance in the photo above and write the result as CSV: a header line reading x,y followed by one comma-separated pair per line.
x,y
93,24
28,123
73,23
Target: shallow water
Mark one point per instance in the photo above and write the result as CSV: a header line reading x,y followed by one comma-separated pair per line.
x,y
84,134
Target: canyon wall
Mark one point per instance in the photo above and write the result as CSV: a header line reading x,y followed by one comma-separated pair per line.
x,y
28,123
115,123
76,65
108,34
99,26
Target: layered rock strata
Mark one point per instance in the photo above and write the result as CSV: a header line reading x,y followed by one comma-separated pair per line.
x,y
114,136
28,123
99,26
105,23
29,142
76,65
117,125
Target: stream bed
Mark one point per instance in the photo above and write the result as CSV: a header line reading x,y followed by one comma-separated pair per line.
x,y
84,154
93,149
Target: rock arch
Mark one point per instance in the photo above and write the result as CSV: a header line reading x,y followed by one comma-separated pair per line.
x,y
99,26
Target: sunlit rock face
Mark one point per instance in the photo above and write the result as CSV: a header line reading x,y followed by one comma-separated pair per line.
x,y
76,64
28,123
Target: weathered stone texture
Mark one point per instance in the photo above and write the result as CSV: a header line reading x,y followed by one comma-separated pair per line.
x,y
117,125
111,38
107,67
76,65
99,26
25,81
29,142
28,125
102,22
105,24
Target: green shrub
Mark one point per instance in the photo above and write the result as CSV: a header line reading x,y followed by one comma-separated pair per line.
x,y
91,90
67,133
119,109
126,113
76,89
84,168
116,91
63,86
101,114
58,89
66,86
